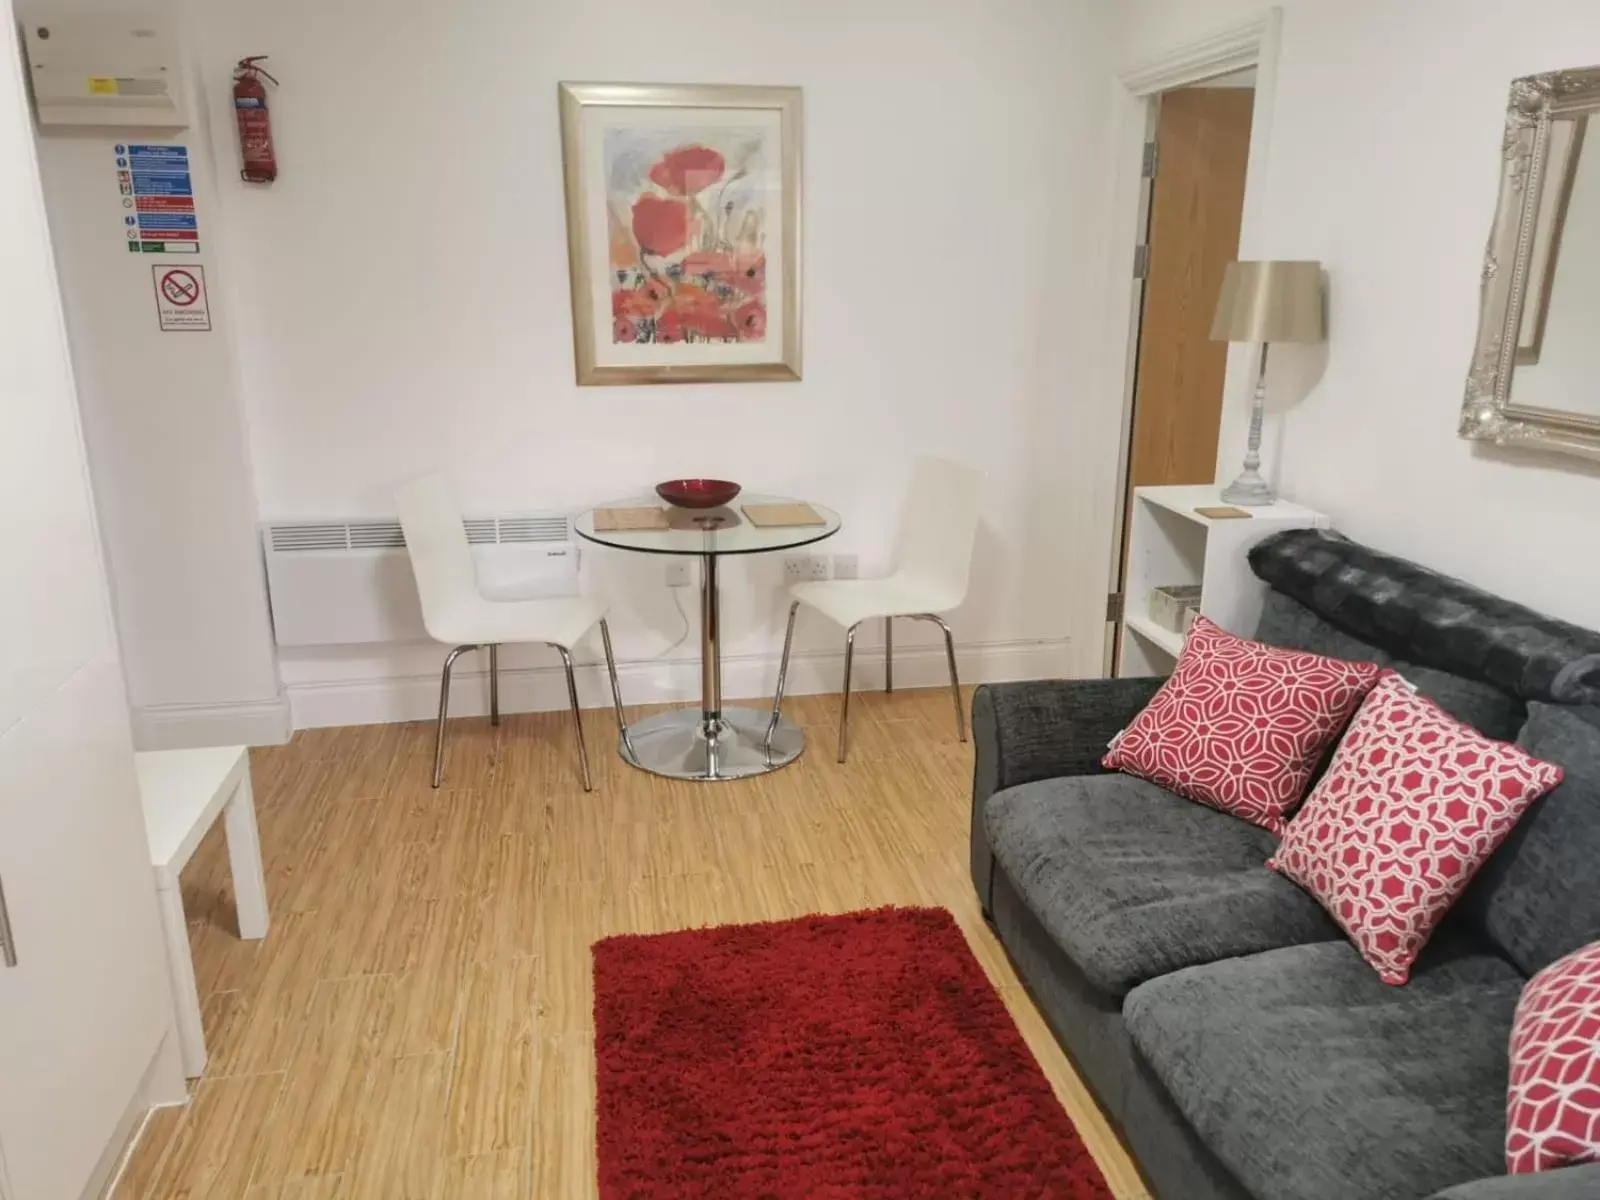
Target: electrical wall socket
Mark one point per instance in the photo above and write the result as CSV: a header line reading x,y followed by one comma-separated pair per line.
x,y
677,574
805,568
846,566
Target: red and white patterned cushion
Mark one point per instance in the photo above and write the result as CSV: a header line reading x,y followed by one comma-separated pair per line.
x,y
1412,805
1553,1105
1240,726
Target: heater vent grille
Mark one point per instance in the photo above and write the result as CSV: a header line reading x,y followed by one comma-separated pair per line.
x,y
292,536
533,529
286,538
376,535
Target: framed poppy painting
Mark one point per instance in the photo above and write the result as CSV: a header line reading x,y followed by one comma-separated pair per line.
x,y
683,231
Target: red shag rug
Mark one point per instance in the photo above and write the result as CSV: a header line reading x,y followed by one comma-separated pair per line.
x,y
853,1056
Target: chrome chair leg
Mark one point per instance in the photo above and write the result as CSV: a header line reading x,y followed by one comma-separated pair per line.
x,y
844,708
444,710
616,689
494,684
783,676
955,682
888,654
577,717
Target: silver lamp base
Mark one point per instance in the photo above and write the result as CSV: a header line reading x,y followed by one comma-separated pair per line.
x,y
1249,491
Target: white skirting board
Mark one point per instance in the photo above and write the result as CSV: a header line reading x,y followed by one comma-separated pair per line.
x,y
183,726
747,678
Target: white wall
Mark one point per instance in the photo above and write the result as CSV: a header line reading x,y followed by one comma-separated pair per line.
x,y
85,1009
403,300
167,443
1384,160
1567,375
398,300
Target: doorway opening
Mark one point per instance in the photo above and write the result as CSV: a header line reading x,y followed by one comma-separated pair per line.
x,y
1191,209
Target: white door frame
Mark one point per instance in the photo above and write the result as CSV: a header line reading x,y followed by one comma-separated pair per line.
x,y
1250,43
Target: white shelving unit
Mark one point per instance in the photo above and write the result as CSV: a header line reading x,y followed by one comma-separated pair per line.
x,y
1170,543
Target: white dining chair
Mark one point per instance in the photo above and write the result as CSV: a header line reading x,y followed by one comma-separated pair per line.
x,y
457,613
932,560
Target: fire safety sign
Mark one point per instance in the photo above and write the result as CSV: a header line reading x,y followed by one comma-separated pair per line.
x,y
181,299
157,189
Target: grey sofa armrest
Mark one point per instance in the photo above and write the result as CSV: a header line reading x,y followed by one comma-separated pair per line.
x,y
1567,1183
1042,730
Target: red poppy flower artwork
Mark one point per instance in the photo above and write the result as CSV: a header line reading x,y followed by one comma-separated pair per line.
x,y
661,226
687,170
683,209
686,240
709,266
646,300
702,313
750,274
751,321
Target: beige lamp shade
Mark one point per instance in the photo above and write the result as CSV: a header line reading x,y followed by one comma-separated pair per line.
x,y
1278,301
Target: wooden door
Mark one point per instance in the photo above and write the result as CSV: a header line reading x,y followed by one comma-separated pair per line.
x,y
85,1007
1202,151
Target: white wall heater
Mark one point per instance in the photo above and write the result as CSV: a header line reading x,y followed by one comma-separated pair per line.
x,y
342,582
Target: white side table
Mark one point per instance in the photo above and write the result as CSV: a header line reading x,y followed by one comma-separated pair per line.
x,y
1169,542
182,792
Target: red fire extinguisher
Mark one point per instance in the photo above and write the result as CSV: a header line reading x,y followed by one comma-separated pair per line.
x,y
255,123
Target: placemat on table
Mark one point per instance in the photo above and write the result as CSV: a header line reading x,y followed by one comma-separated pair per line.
x,y
629,520
772,516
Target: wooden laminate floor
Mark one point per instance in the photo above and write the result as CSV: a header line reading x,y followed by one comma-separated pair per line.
x,y
419,1021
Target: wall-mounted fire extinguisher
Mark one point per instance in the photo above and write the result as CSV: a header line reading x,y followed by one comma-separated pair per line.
x,y
255,123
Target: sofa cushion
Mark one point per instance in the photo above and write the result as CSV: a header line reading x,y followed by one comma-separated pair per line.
x,y
1536,899
1287,622
1132,882
1553,1105
1414,803
1309,1077
1241,725
1485,707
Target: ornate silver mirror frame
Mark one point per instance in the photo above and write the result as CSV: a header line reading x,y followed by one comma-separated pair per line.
x,y
1487,413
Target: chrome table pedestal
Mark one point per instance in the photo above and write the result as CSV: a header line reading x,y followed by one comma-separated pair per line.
x,y
713,743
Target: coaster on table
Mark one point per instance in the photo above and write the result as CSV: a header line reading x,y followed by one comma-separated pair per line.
x,y
629,520
1224,513
773,516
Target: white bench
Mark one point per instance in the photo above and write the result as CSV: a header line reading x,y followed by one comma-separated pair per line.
x,y
182,792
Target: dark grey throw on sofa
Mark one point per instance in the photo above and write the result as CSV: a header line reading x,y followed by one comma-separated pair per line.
x,y
1239,1042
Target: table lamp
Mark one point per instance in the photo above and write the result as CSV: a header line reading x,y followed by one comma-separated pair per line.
x,y
1266,302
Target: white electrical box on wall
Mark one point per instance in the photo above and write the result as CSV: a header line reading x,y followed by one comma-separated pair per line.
x,y
113,71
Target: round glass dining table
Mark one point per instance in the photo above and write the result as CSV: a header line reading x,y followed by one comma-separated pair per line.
x,y
715,742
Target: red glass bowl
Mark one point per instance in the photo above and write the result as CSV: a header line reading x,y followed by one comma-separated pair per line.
x,y
697,493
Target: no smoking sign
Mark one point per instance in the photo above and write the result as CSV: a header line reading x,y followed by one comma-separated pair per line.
x,y
181,299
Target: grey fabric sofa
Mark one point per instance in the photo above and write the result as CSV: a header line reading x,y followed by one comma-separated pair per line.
x,y
1229,1030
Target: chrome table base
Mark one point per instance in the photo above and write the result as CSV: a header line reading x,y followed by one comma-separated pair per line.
x,y
714,742
677,745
